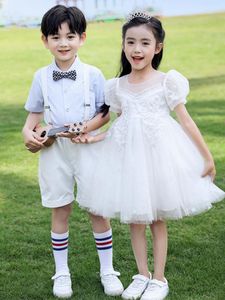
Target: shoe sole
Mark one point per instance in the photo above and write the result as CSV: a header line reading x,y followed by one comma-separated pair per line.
x,y
63,296
157,298
119,293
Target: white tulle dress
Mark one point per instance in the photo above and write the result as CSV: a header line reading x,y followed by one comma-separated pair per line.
x,y
147,168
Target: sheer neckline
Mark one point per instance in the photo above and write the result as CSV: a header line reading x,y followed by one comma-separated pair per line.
x,y
137,88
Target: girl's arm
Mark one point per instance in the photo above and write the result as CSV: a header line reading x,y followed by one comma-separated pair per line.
x,y
97,122
31,139
193,132
89,139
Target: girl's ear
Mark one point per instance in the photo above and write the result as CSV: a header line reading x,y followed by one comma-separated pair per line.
x,y
158,48
44,40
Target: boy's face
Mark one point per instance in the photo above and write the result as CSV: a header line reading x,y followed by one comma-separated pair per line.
x,y
64,45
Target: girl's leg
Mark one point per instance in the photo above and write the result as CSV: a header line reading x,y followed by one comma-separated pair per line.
x,y
159,234
139,245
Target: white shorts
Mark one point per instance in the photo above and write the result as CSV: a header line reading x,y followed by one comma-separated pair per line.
x,y
60,166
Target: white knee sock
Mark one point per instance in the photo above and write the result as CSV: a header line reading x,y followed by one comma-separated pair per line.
x,y
60,252
105,252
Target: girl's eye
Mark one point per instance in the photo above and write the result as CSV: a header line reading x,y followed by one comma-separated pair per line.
x,y
55,37
146,43
70,37
130,43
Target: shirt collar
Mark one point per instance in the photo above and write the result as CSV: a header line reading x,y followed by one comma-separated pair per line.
x,y
75,66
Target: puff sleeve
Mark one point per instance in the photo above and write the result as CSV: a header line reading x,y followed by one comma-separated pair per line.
x,y
111,97
176,88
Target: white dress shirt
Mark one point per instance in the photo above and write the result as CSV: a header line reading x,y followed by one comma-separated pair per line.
x,y
66,96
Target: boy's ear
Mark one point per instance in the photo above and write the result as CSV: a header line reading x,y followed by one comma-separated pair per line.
x,y
44,40
82,38
158,48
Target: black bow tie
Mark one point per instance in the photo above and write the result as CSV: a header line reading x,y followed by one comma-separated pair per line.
x,y
59,75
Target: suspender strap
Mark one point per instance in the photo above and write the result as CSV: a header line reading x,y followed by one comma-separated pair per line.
x,y
47,109
87,104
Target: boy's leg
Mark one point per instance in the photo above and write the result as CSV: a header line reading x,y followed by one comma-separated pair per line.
x,y
103,238
60,235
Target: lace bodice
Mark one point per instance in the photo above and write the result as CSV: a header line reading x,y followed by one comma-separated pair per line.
x,y
147,104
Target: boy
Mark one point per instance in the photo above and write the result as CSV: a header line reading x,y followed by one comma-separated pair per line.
x,y
67,91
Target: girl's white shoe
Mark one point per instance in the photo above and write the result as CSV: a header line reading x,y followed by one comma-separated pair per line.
x,y
156,290
137,287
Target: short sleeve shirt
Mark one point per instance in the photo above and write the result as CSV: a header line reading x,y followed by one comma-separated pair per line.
x,y
66,96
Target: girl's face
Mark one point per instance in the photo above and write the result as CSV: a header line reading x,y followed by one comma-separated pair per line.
x,y
140,46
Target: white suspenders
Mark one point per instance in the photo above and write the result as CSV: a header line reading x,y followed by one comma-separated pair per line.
x,y
87,104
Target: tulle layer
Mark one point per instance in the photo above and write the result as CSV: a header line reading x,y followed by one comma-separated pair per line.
x,y
146,177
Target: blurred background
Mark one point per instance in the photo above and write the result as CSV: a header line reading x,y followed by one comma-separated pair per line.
x,y
29,12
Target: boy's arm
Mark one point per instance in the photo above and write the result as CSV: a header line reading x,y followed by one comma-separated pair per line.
x,y
31,139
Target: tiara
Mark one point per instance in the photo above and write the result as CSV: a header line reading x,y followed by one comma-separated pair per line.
x,y
138,14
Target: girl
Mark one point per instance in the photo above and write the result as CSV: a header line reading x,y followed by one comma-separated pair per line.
x,y
150,168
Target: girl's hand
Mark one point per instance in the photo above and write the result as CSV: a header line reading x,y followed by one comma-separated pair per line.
x,y
209,169
83,139
32,141
74,130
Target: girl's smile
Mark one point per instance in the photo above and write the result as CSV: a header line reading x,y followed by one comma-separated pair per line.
x,y
140,47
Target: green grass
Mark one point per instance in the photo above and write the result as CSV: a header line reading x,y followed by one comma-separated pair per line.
x,y
196,265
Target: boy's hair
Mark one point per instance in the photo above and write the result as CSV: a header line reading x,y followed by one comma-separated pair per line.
x,y
155,26
54,17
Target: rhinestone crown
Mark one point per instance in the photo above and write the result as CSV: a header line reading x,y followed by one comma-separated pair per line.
x,y
138,14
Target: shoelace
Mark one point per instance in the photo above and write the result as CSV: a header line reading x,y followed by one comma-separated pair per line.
x,y
153,286
136,283
62,280
111,278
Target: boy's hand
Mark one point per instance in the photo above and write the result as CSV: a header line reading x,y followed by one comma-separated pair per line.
x,y
32,140
209,169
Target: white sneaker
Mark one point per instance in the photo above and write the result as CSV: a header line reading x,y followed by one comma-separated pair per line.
x,y
137,287
156,290
62,287
111,284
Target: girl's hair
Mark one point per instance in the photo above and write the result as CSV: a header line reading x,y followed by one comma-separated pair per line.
x,y
156,27
54,17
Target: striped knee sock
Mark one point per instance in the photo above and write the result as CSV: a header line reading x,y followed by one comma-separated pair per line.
x,y
60,252
105,252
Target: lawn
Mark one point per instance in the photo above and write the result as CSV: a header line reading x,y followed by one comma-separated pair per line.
x,y
196,257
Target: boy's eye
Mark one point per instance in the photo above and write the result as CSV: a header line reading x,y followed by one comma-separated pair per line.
x,y
146,43
55,37
130,43
71,37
